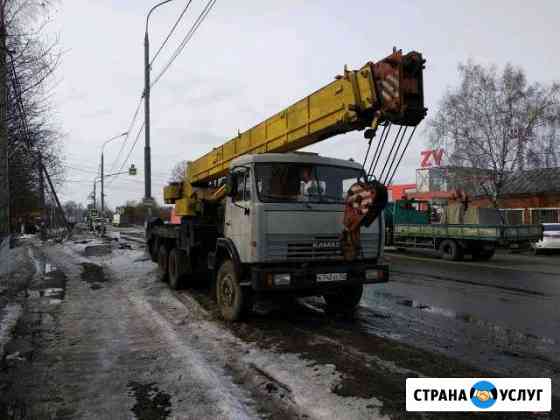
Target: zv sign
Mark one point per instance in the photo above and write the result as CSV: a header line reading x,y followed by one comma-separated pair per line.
x,y
431,158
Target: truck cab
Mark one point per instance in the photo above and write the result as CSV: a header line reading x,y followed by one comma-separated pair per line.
x,y
282,230
285,208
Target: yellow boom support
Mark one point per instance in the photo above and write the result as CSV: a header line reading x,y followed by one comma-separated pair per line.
x,y
389,90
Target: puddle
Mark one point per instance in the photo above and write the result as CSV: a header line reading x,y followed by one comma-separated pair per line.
x,y
48,282
472,319
151,403
93,273
97,250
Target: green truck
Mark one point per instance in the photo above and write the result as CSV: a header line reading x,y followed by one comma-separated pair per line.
x,y
419,224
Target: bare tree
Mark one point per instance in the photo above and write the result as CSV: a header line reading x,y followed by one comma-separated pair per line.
x,y
178,172
499,123
32,135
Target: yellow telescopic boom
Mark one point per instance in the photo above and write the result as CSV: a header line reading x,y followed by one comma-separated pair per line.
x,y
389,90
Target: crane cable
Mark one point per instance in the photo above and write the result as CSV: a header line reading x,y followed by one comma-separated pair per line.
x,y
393,158
379,149
383,175
402,155
388,157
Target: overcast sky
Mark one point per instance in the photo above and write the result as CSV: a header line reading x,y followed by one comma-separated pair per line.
x,y
249,59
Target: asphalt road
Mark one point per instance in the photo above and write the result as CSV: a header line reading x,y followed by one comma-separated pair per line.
x,y
501,315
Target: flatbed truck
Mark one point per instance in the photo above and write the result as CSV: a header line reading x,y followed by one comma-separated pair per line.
x,y
409,225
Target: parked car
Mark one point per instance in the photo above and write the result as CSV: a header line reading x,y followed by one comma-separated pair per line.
x,y
551,238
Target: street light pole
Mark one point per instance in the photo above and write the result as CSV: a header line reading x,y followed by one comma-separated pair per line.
x,y
103,169
94,195
147,150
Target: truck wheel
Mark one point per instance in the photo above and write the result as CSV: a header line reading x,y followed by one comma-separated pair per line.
x,y
450,250
177,268
163,262
232,300
345,301
152,250
483,255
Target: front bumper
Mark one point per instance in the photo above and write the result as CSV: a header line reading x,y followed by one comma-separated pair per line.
x,y
304,278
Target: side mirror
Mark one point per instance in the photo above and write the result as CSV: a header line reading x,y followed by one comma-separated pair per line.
x,y
369,133
231,185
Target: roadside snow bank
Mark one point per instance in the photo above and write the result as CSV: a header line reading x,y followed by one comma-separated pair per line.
x,y
8,319
11,260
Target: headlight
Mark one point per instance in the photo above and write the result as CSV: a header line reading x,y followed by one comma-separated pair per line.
x,y
281,279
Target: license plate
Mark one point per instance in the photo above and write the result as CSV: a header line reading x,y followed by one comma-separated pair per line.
x,y
332,276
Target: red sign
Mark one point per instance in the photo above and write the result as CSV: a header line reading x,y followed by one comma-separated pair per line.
x,y
431,158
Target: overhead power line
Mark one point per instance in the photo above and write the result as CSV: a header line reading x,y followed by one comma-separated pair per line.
x,y
130,126
171,31
129,152
185,40
133,146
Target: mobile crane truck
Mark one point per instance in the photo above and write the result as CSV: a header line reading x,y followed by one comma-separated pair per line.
x,y
259,219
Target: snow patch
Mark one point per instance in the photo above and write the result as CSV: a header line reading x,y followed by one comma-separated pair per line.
x,y
10,259
219,386
311,384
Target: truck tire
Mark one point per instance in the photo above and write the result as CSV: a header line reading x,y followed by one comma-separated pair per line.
x,y
483,254
450,250
152,250
163,262
177,268
232,300
344,302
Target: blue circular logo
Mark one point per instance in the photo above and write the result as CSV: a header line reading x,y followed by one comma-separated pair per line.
x,y
484,394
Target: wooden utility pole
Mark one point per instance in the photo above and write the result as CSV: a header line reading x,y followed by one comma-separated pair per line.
x,y
4,172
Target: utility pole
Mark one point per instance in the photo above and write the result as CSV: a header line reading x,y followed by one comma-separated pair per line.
x,y
102,188
4,166
43,223
147,151
94,198
56,200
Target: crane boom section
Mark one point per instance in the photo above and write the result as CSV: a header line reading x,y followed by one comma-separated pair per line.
x,y
392,87
390,90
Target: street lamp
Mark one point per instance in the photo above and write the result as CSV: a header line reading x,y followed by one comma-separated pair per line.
x,y
103,170
132,171
147,151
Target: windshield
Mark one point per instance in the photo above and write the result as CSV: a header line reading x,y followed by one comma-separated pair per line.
x,y
289,182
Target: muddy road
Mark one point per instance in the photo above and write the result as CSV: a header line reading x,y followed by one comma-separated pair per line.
x,y
102,337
